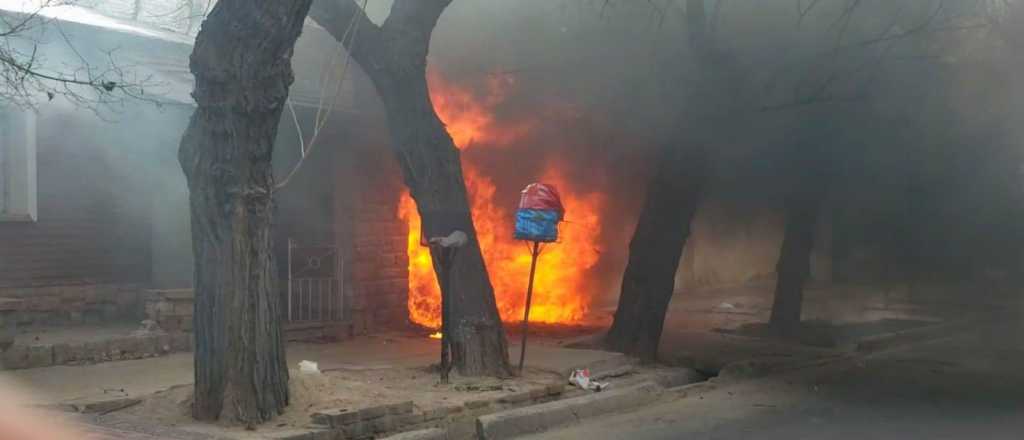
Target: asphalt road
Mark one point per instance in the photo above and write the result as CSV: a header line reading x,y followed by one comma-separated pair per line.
x,y
964,388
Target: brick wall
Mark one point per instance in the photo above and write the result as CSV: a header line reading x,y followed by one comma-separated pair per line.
x,y
76,304
89,248
377,263
171,309
82,236
380,274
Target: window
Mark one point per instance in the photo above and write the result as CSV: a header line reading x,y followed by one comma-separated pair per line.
x,y
17,165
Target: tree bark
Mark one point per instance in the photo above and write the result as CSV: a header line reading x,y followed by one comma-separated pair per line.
x,y
242,66
803,206
664,225
654,252
394,56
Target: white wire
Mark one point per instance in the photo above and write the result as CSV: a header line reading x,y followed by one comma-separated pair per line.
x,y
321,115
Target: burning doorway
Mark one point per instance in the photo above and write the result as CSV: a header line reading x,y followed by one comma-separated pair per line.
x,y
507,139
565,283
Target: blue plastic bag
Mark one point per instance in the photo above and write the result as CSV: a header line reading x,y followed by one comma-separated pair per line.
x,y
537,225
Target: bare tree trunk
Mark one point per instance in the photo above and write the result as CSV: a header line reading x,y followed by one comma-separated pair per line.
x,y
395,58
654,253
803,206
242,65
664,225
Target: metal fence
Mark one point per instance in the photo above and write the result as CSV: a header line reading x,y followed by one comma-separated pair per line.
x,y
315,283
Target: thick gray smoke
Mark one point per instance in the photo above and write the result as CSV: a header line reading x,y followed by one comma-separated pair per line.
x,y
917,103
914,102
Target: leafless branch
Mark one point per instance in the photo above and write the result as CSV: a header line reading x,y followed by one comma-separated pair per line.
x,y
334,16
803,11
27,79
848,63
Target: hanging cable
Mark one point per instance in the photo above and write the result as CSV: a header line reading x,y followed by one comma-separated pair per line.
x,y
322,115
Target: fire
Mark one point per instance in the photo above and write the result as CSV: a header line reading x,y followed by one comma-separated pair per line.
x,y
560,286
469,119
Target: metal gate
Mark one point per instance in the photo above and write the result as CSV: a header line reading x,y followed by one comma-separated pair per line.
x,y
315,284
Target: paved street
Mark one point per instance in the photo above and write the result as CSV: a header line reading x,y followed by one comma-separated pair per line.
x,y
967,388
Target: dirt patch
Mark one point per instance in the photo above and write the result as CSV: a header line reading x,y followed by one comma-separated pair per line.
x,y
345,389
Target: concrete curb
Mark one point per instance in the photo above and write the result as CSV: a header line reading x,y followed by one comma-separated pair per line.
x,y
615,365
423,434
898,339
538,418
678,377
759,367
100,407
756,368
303,434
693,389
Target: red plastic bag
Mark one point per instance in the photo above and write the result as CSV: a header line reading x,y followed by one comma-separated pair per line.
x,y
541,196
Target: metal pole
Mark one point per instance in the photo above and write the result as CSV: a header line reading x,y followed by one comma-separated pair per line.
x,y
445,257
289,279
443,251
526,311
340,315
320,299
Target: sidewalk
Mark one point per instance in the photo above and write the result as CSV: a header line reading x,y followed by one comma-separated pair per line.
x,y
141,377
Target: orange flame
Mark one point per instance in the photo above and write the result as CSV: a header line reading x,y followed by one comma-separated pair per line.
x,y
560,288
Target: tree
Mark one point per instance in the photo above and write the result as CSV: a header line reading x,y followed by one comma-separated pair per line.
x,y
394,56
803,206
663,227
812,166
27,78
242,66
841,62
654,252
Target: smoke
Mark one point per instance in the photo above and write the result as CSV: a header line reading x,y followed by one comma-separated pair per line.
x,y
576,80
914,102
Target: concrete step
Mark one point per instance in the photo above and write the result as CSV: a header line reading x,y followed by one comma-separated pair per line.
x,y
538,418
